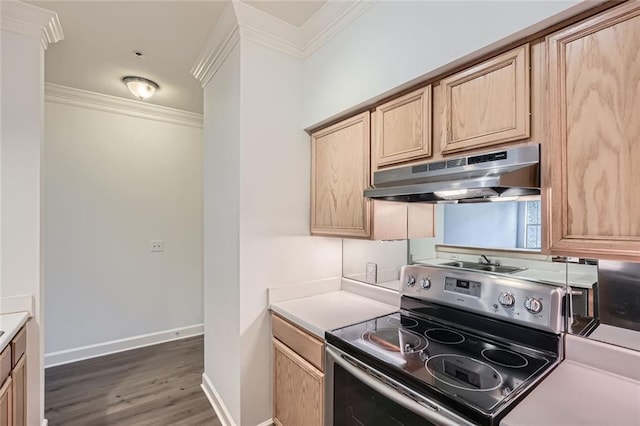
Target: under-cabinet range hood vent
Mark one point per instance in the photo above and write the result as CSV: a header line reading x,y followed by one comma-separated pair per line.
x,y
493,176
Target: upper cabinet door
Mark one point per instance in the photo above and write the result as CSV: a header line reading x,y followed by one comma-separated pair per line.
x,y
594,95
340,163
489,103
403,128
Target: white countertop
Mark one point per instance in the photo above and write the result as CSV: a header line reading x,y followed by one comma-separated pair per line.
x,y
328,311
576,394
598,384
11,324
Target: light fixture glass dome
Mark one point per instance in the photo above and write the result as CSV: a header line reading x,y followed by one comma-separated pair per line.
x,y
140,87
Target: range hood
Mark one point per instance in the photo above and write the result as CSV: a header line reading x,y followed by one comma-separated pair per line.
x,y
492,176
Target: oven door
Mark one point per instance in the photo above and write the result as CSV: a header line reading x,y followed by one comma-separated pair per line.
x,y
358,395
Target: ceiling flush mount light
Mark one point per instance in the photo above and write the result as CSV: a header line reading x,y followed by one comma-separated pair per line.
x,y
141,88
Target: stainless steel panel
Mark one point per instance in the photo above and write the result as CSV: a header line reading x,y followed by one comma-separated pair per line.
x,y
492,289
507,173
619,294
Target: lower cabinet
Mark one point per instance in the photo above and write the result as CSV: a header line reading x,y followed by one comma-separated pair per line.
x,y
298,389
19,379
13,382
6,406
298,383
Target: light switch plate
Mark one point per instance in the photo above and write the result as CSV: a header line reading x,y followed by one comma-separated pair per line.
x,y
372,273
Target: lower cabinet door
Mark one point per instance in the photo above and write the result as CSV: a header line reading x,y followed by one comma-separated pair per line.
x,y
298,389
6,406
19,377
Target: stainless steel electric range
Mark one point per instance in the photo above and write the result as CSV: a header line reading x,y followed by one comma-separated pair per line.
x,y
463,349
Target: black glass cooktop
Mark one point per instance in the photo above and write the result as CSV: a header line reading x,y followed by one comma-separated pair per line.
x,y
475,371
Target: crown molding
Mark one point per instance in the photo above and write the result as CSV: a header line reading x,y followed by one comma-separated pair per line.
x,y
267,30
328,21
242,21
224,37
85,99
31,21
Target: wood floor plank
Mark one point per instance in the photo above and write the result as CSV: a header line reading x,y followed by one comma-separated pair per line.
x,y
158,385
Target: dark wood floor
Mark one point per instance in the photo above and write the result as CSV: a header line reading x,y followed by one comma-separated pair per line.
x,y
156,385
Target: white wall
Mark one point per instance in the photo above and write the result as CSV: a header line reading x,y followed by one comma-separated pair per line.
x,y
275,246
396,41
21,128
389,256
112,183
222,232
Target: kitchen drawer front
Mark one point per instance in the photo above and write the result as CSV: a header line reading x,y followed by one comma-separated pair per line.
x,y
18,346
308,347
5,364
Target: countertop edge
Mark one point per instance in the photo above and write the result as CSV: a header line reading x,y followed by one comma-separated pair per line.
x,y
316,331
20,320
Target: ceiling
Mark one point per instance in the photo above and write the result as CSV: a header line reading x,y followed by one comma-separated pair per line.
x,y
100,37
295,12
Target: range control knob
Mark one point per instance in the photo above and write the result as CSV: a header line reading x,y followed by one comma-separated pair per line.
x,y
507,300
533,305
425,283
411,281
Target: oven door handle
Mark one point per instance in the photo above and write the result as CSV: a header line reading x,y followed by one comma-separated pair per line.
x,y
431,414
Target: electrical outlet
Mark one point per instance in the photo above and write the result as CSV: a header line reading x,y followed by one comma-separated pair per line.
x,y
156,245
372,273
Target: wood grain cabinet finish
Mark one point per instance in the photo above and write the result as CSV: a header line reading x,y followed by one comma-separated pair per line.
x,y
488,104
340,158
6,403
19,379
401,221
298,379
594,95
403,128
310,348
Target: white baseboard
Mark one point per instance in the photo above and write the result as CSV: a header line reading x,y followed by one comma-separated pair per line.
x,y
266,423
92,351
45,422
216,402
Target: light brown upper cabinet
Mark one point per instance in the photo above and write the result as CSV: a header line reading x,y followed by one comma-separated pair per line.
x,y
594,94
340,164
488,104
403,128
340,171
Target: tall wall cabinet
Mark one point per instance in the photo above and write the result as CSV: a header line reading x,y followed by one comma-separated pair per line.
x,y
594,95
339,175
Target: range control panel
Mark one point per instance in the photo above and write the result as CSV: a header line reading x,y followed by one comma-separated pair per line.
x,y
520,301
470,288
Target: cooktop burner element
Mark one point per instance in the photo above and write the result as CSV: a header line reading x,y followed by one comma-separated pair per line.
x,y
404,322
443,335
463,372
505,358
396,340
